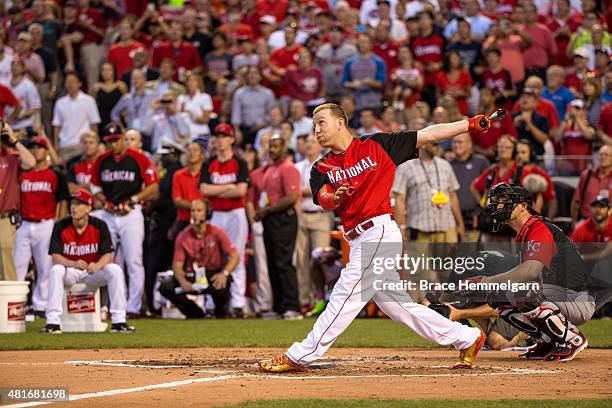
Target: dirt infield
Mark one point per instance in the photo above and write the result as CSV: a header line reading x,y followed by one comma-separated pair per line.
x,y
209,377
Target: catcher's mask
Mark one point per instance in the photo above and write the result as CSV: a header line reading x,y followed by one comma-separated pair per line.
x,y
510,195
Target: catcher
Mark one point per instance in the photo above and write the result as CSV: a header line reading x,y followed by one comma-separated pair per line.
x,y
549,257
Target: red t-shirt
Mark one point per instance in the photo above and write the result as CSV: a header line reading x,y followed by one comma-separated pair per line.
x,y
605,119
586,231
277,181
599,184
184,56
464,81
95,17
256,186
276,8
427,50
88,246
185,186
41,190
285,57
369,166
121,56
498,81
561,40
304,85
389,52
242,31
7,98
216,172
491,136
480,183
120,177
574,80
210,251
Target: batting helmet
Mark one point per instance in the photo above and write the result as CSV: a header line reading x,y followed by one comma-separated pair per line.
x,y
510,195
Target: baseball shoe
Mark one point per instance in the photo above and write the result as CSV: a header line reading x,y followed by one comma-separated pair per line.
x,y
238,313
568,351
318,308
122,328
280,364
539,351
292,315
52,329
270,315
467,356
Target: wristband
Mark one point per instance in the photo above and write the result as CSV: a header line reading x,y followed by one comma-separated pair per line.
x,y
226,273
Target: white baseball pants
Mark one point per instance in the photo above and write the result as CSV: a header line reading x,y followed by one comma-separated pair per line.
x,y
356,287
129,231
236,226
32,240
264,299
61,277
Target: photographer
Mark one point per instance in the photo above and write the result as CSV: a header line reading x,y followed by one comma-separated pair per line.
x,y
13,157
576,136
201,249
168,122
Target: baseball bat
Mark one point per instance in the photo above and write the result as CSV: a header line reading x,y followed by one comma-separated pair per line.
x,y
497,115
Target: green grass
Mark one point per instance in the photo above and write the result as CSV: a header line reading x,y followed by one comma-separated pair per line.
x,y
242,333
316,403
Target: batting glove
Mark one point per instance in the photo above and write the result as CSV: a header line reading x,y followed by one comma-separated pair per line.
x,y
479,123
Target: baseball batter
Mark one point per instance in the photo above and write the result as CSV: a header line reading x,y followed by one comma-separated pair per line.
x,y
43,198
224,180
355,179
118,179
82,251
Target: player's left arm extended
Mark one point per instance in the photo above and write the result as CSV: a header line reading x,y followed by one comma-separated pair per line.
x,y
441,132
529,270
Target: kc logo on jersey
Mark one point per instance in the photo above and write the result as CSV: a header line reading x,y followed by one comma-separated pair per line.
x,y
533,247
72,249
339,174
34,186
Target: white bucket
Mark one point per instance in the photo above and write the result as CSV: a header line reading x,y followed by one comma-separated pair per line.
x,y
81,310
13,306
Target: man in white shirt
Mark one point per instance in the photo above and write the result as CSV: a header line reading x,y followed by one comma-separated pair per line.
x,y
27,94
302,124
167,122
73,115
313,231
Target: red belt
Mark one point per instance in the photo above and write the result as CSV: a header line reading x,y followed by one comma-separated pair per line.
x,y
354,233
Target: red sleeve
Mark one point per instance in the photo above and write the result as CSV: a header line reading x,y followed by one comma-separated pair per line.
x,y
176,188
466,79
179,251
579,232
291,180
147,169
540,244
480,181
195,58
9,97
95,172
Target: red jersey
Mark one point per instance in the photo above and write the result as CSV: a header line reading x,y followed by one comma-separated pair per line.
x,y
427,50
464,81
216,172
497,81
587,231
369,165
41,190
276,8
304,85
210,251
389,52
480,183
7,98
121,56
184,56
285,57
574,80
185,186
94,17
120,177
81,172
88,246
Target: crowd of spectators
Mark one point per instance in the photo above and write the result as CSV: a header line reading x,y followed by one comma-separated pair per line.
x,y
193,81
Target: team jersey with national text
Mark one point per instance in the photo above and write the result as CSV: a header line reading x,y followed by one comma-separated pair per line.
x,y
41,190
543,241
216,172
89,245
369,165
120,177
80,172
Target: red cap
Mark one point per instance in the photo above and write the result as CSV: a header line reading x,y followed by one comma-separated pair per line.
x,y
224,129
38,140
83,196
